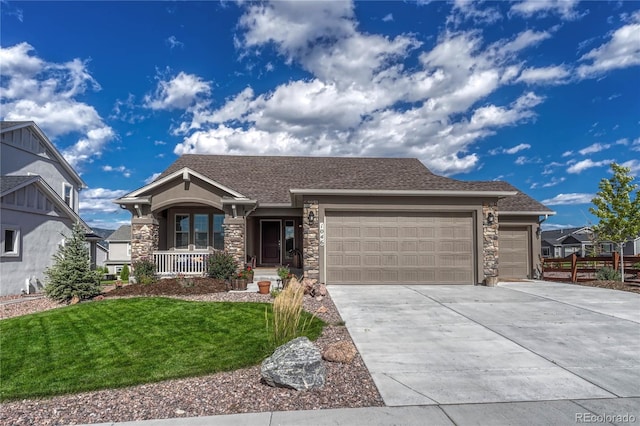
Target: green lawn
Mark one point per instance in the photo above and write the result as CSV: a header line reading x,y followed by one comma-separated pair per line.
x,y
123,342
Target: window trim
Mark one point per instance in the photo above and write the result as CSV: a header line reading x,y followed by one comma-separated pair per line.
x,y
71,201
15,238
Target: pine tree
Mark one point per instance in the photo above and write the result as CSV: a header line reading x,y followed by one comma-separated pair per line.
x,y
124,273
71,273
618,208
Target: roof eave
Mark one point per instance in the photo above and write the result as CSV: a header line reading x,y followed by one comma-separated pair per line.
x,y
403,192
527,213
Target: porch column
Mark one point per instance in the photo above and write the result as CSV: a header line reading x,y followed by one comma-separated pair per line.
x,y
145,235
310,241
490,242
234,234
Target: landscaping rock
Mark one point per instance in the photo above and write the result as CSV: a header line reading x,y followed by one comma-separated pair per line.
x,y
342,352
296,365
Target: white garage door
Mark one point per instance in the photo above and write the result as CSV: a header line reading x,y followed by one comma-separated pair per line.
x,y
513,249
399,248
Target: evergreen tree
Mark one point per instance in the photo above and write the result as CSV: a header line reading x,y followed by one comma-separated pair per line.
x,y
618,209
124,273
71,273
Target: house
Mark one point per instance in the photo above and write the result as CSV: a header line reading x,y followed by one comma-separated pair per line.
x,y
39,204
119,249
347,220
564,242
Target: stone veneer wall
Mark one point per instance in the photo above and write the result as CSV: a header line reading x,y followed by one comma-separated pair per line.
x,y
234,231
311,241
145,236
490,242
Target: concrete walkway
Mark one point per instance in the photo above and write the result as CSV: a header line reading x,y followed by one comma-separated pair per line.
x,y
521,353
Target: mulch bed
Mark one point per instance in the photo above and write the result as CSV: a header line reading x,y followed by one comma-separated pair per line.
x,y
171,287
614,285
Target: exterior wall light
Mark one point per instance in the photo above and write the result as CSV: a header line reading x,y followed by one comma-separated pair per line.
x,y
311,217
490,219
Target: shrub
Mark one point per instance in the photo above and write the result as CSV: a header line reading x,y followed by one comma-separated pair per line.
x,y
284,273
124,273
71,275
287,311
608,274
221,265
144,271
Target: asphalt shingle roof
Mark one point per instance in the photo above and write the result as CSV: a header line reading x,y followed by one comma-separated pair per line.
x,y
121,234
269,178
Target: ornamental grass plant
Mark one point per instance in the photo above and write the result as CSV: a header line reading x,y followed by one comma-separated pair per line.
x,y
286,323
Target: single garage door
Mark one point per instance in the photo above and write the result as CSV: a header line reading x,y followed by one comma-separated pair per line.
x,y
513,249
399,248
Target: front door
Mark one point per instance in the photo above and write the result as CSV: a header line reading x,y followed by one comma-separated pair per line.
x,y
270,241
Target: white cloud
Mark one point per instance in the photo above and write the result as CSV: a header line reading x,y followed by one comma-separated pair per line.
x,y
388,17
121,169
592,149
546,75
634,165
569,199
152,178
517,148
635,146
45,92
621,51
567,153
564,8
173,42
179,92
553,182
349,104
100,200
583,165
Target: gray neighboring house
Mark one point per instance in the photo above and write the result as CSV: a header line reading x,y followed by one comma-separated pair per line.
x,y
38,205
119,249
564,242
343,220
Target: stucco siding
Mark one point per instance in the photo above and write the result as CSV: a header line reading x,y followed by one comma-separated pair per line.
x,y
118,251
39,237
16,161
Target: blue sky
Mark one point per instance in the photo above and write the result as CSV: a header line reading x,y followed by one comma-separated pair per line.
x,y
543,94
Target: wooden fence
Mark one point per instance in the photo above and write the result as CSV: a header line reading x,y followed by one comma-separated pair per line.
x,y
573,268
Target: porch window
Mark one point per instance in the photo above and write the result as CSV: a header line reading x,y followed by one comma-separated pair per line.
x,y
289,238
218,232
182,231
201,230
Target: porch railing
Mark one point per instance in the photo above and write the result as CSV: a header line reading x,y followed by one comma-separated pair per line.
x,y
177,262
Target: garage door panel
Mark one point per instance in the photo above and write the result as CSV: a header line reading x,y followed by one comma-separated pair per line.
x,y
513,243
393,247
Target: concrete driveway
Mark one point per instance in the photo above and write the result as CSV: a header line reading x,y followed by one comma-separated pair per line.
x,y
530,341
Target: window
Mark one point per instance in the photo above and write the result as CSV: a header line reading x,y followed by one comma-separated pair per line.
x,y
201,230
67,194
182,231
218,232
128,249
11,241
289,238
606,247
546,252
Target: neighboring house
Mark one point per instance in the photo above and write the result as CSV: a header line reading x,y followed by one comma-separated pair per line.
x,y
119,249
353,220
102,255
564,242
39,205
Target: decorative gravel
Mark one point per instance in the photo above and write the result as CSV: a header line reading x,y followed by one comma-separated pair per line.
x,y
240,391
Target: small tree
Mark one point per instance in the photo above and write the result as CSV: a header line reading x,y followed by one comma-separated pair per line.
x,y
618,209
71,273
124,273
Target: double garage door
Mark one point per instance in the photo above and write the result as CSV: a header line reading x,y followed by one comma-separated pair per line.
x,y
399,248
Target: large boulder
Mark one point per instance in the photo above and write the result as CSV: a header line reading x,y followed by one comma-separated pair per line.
x,y
296,365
